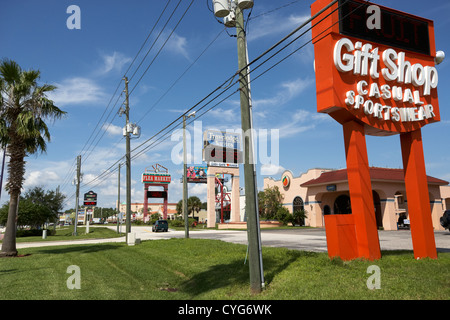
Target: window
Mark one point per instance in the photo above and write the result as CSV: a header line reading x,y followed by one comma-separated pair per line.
x,y
298,204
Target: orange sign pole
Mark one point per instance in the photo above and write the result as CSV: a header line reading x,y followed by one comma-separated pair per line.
x,y
416,184
360,188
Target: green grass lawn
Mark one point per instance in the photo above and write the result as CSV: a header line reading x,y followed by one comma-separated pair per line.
x,y
210,269
66,233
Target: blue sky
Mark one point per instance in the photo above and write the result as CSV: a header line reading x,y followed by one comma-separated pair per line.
x,y
87,66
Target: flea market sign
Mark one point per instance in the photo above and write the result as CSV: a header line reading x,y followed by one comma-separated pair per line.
x,y
385,78
156,178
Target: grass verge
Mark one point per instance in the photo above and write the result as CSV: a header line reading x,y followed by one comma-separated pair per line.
x,y
66,233
185,269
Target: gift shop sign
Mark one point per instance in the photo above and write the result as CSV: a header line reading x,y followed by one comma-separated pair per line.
x,y
389,88
377,81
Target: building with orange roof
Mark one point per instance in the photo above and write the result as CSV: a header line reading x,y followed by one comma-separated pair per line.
x,y
325,191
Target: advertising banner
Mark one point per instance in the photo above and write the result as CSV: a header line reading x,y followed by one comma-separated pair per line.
x,y
196,174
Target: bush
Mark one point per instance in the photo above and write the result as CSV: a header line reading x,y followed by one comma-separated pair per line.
x,y
33,233
179,223
283,215
299,217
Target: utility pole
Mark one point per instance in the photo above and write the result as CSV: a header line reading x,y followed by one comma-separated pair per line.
x,y
77,194
251,202
185,191
118,201
185,209
128,160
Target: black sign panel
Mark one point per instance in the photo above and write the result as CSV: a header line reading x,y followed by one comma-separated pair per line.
x,y
157,194
90,199
91,195
213,153
396,29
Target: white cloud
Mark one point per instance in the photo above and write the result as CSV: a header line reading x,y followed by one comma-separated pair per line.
x,y
273,25
178,45
271,169
288,90
113,130
77,90
113,62
40,178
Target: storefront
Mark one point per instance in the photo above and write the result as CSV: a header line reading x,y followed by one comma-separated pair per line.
x,y
326,191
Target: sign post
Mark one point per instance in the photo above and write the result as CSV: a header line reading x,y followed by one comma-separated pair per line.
x,y
158,177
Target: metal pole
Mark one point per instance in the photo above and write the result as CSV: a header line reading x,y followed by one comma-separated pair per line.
x,y
77,194
118,200
251,201
185,192
128,160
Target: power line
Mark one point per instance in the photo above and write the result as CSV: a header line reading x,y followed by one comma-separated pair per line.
x,y
104,126
107,173
115,92
253,61
162,47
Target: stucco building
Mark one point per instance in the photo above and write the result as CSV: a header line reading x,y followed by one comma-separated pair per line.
x,y
326,191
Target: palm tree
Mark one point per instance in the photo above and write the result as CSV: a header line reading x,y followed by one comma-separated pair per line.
x,y
23,108
194,205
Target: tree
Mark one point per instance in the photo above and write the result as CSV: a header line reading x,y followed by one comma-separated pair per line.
x,y
24,108
269,202
194,205
36,207
179,207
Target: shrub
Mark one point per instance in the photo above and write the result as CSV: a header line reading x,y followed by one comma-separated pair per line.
x,y
283,215
299,217
33,233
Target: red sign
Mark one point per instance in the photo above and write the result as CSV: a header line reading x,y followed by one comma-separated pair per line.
x,y
388,86
155,178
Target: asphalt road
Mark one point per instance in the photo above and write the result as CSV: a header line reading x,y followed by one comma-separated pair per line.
x,y
298,239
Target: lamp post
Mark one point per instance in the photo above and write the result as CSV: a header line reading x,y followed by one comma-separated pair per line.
x,y
232,11
185,192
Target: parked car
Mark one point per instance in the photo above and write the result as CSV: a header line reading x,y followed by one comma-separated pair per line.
x,y
160,225
445,220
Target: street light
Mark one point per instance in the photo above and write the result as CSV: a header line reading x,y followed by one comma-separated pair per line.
x,y
185,193
440,56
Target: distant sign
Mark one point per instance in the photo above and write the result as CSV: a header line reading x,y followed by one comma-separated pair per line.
x,y
156,178
156,194
196,174
223,165
90,199
222,139
219,146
